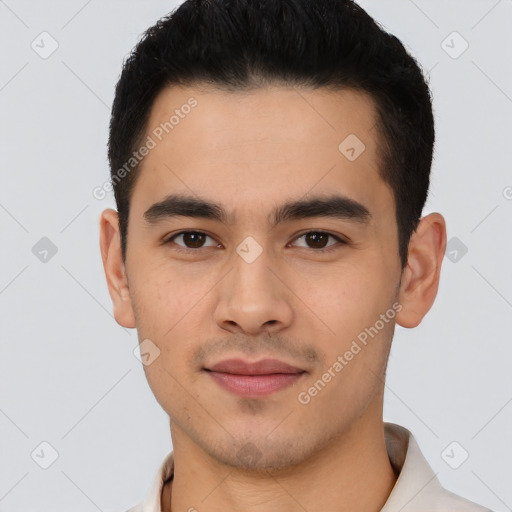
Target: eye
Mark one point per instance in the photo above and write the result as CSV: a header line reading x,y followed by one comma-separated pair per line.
x,y
319,238
192,240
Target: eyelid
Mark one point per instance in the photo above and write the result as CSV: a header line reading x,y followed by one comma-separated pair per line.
x,y
338,239
341,241
180,248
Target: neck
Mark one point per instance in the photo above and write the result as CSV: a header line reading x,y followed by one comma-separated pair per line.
x,y
352,472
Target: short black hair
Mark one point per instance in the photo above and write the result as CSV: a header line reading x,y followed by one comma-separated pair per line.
x,y
237,45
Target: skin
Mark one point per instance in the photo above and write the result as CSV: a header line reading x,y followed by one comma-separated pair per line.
x,y
250,152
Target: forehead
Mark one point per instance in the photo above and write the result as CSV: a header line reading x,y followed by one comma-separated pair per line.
x,y
250,148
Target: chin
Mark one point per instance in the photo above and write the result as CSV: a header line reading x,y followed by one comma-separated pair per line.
x,y
261,455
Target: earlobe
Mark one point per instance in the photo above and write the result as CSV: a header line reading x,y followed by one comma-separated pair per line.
x,y
420,277
115,270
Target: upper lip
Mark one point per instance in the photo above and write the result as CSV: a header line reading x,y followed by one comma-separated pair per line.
x,y
263,367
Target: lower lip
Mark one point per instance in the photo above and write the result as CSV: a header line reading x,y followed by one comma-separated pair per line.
x,y
255,385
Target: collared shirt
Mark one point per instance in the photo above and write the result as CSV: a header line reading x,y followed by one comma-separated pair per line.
x,y
417,488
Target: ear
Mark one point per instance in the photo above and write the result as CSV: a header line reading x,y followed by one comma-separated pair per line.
x,y
114,266
420,277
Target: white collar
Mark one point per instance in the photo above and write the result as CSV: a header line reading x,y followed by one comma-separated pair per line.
x,y
417,488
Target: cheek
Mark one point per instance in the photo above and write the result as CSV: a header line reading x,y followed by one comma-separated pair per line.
x,y
346,300
163,299
161,314
356,350
164,381
168,307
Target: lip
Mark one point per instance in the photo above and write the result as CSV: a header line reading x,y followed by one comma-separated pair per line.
x,y
254,379
263,367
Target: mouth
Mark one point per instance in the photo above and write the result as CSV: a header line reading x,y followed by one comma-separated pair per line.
x,y
254,379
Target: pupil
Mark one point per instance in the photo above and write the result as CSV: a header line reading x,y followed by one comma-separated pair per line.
x,y
197,243
316,236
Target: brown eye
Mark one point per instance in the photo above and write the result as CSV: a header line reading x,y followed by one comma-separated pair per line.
x,y
191,240
318,240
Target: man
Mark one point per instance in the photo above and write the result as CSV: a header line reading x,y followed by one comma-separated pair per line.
x,y
270,161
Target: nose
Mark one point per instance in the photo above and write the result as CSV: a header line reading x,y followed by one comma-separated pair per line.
x,y
254,298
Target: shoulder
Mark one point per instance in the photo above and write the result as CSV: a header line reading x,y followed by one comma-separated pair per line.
x,y
417,487
449,501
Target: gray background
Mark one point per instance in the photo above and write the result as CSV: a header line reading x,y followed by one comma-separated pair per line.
x,y
67,370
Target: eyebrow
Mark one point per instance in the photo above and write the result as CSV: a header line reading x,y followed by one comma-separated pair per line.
x,y
333,206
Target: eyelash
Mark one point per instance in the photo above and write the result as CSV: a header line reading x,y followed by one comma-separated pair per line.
x,y
329,249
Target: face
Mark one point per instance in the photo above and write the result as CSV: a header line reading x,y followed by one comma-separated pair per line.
x,y
313,285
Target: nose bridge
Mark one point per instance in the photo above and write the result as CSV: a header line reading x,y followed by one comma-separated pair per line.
x,y
252,297
251,275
